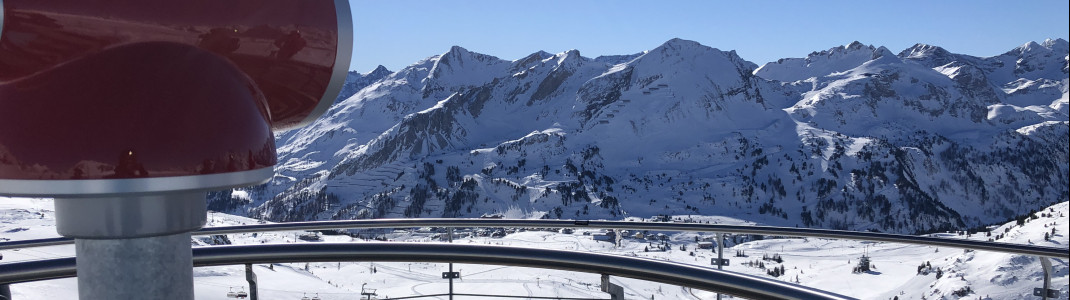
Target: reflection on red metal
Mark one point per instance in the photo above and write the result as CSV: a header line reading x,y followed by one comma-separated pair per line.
x,y
99,89
191,112
287,47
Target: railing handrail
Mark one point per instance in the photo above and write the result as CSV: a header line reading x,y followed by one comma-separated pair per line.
x,y
680,274
1031,250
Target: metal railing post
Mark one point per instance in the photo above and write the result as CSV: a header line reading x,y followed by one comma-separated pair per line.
x,y
250,276
720,254
1046,292
5,292
451,281
616,292
450,232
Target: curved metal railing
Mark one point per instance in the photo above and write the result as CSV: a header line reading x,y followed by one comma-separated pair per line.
x,y
695,277
678,274
1031,250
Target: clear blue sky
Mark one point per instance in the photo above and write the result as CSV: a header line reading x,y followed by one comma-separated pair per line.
x,y
397,33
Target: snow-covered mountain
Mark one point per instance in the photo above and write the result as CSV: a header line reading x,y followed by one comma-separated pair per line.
x,y
355,81
854,137
821,63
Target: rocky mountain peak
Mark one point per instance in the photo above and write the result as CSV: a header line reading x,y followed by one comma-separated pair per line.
x,y
927,55
530,60
1058,45
460,68
570,57
617,59
821,63
379,71
1029,46
1045,48
459,56
679,44
855,45
681,51
882,52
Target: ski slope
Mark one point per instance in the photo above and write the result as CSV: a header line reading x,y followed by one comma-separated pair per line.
x,y
819,263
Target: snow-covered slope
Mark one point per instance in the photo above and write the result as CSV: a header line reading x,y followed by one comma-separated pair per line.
x,y
888,98
897,270
854,137
1032,77
356,81
986,275
821,63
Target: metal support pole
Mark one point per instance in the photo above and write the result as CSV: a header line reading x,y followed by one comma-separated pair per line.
x,y
616,292
250,276
130,247
158,267
1046,263
5,292
720,255
451,264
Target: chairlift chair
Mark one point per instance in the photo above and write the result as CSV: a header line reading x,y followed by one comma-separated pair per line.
x,y
316,297
242,294
305,297
232,294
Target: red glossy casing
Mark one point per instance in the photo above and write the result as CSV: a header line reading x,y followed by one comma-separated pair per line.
x,y
124,89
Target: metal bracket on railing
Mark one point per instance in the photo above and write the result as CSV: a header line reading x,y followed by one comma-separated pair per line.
x,y
251,277
616,292
1046,292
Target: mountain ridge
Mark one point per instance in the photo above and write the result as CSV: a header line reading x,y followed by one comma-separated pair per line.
x,y
684,128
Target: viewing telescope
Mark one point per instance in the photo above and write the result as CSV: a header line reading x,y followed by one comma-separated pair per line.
x,y
128,111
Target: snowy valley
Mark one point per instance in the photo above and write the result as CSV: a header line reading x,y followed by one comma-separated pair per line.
x,y
903,271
